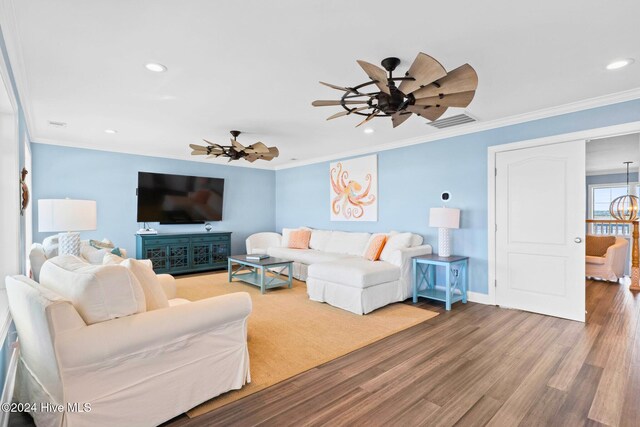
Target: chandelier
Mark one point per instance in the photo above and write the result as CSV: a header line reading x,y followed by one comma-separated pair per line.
x,y
625,208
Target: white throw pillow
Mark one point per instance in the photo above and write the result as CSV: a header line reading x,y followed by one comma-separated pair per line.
x,y
153,292
319,239
50,246
416,240
395,242
93,255
98,292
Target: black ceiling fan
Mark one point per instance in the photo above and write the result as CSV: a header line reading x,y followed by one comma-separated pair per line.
x,y
236,151
426,90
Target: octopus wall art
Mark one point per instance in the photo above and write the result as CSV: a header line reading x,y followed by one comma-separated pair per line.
x,y
354,189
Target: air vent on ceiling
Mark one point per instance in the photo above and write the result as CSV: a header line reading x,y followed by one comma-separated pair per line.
x,y
58,124
453,121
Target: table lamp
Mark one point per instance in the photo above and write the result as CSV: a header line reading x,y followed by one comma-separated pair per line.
x,y
445,219
68,217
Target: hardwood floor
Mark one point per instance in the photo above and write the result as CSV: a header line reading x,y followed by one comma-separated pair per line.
x,y
476,365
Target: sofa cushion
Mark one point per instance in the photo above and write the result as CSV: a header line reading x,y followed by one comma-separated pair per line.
x,y
395,242
355,272
343,242
98,292
153,294
304,256
598,245
319,239
50,246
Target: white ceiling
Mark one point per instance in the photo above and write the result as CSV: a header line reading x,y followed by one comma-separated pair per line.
x,y
255,65
607,155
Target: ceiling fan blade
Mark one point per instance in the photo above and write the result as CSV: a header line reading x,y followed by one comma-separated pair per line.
x,y
424,70
344,113
251,158
430,113
213,156
273,152
377,74
399,118
462,79
237,145
323,103
460,99
345,89
369,117
198,153
198,147
257,148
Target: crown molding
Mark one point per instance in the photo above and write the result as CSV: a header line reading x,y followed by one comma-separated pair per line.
x,y
616,171
469,128
59,143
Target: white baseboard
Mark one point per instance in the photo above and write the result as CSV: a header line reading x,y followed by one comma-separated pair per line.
x,y
478,297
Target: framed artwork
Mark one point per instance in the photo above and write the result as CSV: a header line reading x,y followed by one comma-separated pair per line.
x,y
354,189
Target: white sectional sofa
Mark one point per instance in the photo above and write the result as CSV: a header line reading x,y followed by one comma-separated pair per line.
x,y
336,271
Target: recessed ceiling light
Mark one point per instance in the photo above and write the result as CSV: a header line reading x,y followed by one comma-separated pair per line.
x,y
368,130
110,131
156,68
619,64
58,124
293,158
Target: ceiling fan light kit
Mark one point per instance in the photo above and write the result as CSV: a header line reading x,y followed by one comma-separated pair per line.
x,y
426,89
236,151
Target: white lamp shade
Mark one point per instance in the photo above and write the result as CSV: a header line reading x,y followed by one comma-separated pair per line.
x,y
444,217
66,215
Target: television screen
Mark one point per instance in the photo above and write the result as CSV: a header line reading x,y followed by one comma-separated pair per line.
x,y
179,199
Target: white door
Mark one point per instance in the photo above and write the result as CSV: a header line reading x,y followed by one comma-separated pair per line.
x,y
540,213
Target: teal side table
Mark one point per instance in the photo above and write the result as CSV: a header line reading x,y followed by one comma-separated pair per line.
x,y
456,278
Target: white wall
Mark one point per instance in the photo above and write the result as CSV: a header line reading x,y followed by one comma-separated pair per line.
x,y
9,185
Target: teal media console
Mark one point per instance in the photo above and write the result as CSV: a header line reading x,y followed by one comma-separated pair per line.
x,y
185,252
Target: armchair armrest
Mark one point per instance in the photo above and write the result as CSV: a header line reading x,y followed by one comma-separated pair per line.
x,y
616,256
168,283
260,242
127,337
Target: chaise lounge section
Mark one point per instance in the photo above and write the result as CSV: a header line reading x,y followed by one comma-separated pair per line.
x,y
336,271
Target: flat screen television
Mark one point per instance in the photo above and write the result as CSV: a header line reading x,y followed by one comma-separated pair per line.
x,y
179,199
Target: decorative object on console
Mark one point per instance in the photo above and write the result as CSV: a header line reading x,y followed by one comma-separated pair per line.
x,y
625,208
236,151
68,217
354,189
426,90
445,219
24,191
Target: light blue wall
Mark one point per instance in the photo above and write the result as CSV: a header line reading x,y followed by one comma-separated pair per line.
x,y
111,179
410,181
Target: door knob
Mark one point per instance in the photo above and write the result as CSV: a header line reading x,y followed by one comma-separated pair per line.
x,y
577,240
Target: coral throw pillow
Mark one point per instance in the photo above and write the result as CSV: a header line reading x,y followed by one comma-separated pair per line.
x,y
299,239
375,248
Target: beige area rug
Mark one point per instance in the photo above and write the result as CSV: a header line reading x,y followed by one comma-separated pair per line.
x,y
289,334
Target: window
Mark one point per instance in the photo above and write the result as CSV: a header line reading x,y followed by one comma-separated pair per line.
x,y
600,197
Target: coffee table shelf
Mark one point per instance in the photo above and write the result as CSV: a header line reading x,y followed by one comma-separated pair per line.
x,y
254,272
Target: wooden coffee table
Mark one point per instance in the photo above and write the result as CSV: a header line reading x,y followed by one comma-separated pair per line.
x,y
254,272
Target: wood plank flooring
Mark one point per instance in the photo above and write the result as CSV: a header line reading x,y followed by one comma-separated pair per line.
x,y
476,365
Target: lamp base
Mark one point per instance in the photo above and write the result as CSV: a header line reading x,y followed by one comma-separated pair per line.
x,y
444,242
69,243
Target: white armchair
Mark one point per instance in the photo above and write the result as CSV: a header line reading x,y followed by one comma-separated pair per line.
x,y
140,369
259,243
610,266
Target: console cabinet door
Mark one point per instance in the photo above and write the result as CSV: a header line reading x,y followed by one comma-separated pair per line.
x,y
158,256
